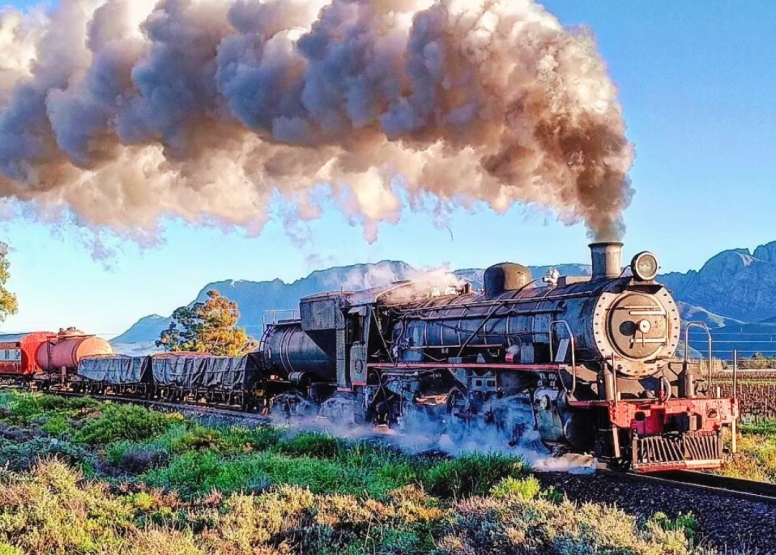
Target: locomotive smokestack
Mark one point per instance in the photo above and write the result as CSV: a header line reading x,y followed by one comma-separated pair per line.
x,y
607,260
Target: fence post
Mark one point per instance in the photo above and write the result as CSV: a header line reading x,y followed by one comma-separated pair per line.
x,y
734,425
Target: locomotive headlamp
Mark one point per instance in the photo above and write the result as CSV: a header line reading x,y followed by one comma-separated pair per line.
x,y
644,266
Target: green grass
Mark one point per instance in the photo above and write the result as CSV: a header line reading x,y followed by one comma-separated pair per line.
x,y
756,456
86,477
124,422
52,509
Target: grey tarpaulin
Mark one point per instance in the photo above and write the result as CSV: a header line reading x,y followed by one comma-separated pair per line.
x,y
114,369
211,372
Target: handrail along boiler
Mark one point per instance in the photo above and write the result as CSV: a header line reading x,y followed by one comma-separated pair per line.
x,y
587,362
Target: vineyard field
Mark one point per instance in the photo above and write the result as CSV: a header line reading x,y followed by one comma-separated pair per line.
x,y
756,392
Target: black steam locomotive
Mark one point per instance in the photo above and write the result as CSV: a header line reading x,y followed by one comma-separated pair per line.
x,y
587,363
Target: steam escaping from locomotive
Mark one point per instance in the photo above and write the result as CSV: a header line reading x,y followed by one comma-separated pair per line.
x,y
127,111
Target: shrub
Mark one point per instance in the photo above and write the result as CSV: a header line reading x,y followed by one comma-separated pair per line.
x,y
684,523
53,510
513,525
199,472
25,455
24,408
553,496
239,439
311,444
56,425
136,457
197,437
8,549
471,474
123,422
524,488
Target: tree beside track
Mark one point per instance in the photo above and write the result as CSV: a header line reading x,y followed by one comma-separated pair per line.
x,y
8,303
209,327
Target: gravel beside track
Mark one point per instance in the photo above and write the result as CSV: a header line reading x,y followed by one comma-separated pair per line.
x,y
725,523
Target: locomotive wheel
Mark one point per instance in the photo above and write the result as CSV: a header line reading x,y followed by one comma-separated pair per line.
x,y
457,427
359,411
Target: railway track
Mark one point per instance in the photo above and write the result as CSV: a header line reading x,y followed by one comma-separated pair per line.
x,y
713,484
162,406
723,486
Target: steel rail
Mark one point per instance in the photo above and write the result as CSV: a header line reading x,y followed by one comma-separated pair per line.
x,y
723,486
164,406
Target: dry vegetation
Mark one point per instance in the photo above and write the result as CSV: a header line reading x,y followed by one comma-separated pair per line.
x,y
756,457
87,477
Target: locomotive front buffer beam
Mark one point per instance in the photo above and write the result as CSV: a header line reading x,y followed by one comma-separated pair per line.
x,y
676,434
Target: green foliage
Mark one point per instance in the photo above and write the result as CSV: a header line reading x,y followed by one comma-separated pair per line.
x,y
553,496
756,456
471,474
231,489
56,425
684,523
312,444
127,422
209,327
141,500
136,458
8,302
23,455
765,426
524,488
25,408
53,510
8,549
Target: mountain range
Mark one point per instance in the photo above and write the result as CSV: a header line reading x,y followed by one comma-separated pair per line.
x,y
734,293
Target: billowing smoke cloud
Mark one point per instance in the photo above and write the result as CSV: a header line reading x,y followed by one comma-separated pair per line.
x,y
126,111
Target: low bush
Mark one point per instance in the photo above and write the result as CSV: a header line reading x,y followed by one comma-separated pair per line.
x,y
25,455
471,474
755,460
684,523
525,488
311,444
516,525
124,422
57,425
25,408
136,458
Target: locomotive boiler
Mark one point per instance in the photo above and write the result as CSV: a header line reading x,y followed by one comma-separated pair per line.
x,y
587,363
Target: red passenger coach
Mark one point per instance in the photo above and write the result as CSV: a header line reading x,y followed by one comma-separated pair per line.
x,y
18,354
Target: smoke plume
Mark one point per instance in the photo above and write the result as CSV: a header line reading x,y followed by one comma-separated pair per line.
x,y
127,111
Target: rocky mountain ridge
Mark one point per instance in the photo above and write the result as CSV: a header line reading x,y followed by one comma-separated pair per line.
x,y
735,283
734,290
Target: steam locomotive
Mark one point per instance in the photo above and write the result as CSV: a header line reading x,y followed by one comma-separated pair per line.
x,y
587,363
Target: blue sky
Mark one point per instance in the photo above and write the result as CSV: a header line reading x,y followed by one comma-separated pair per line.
x,y
696,82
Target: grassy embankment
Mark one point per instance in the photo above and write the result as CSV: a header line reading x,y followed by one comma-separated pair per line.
x,y
756,457
87,477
